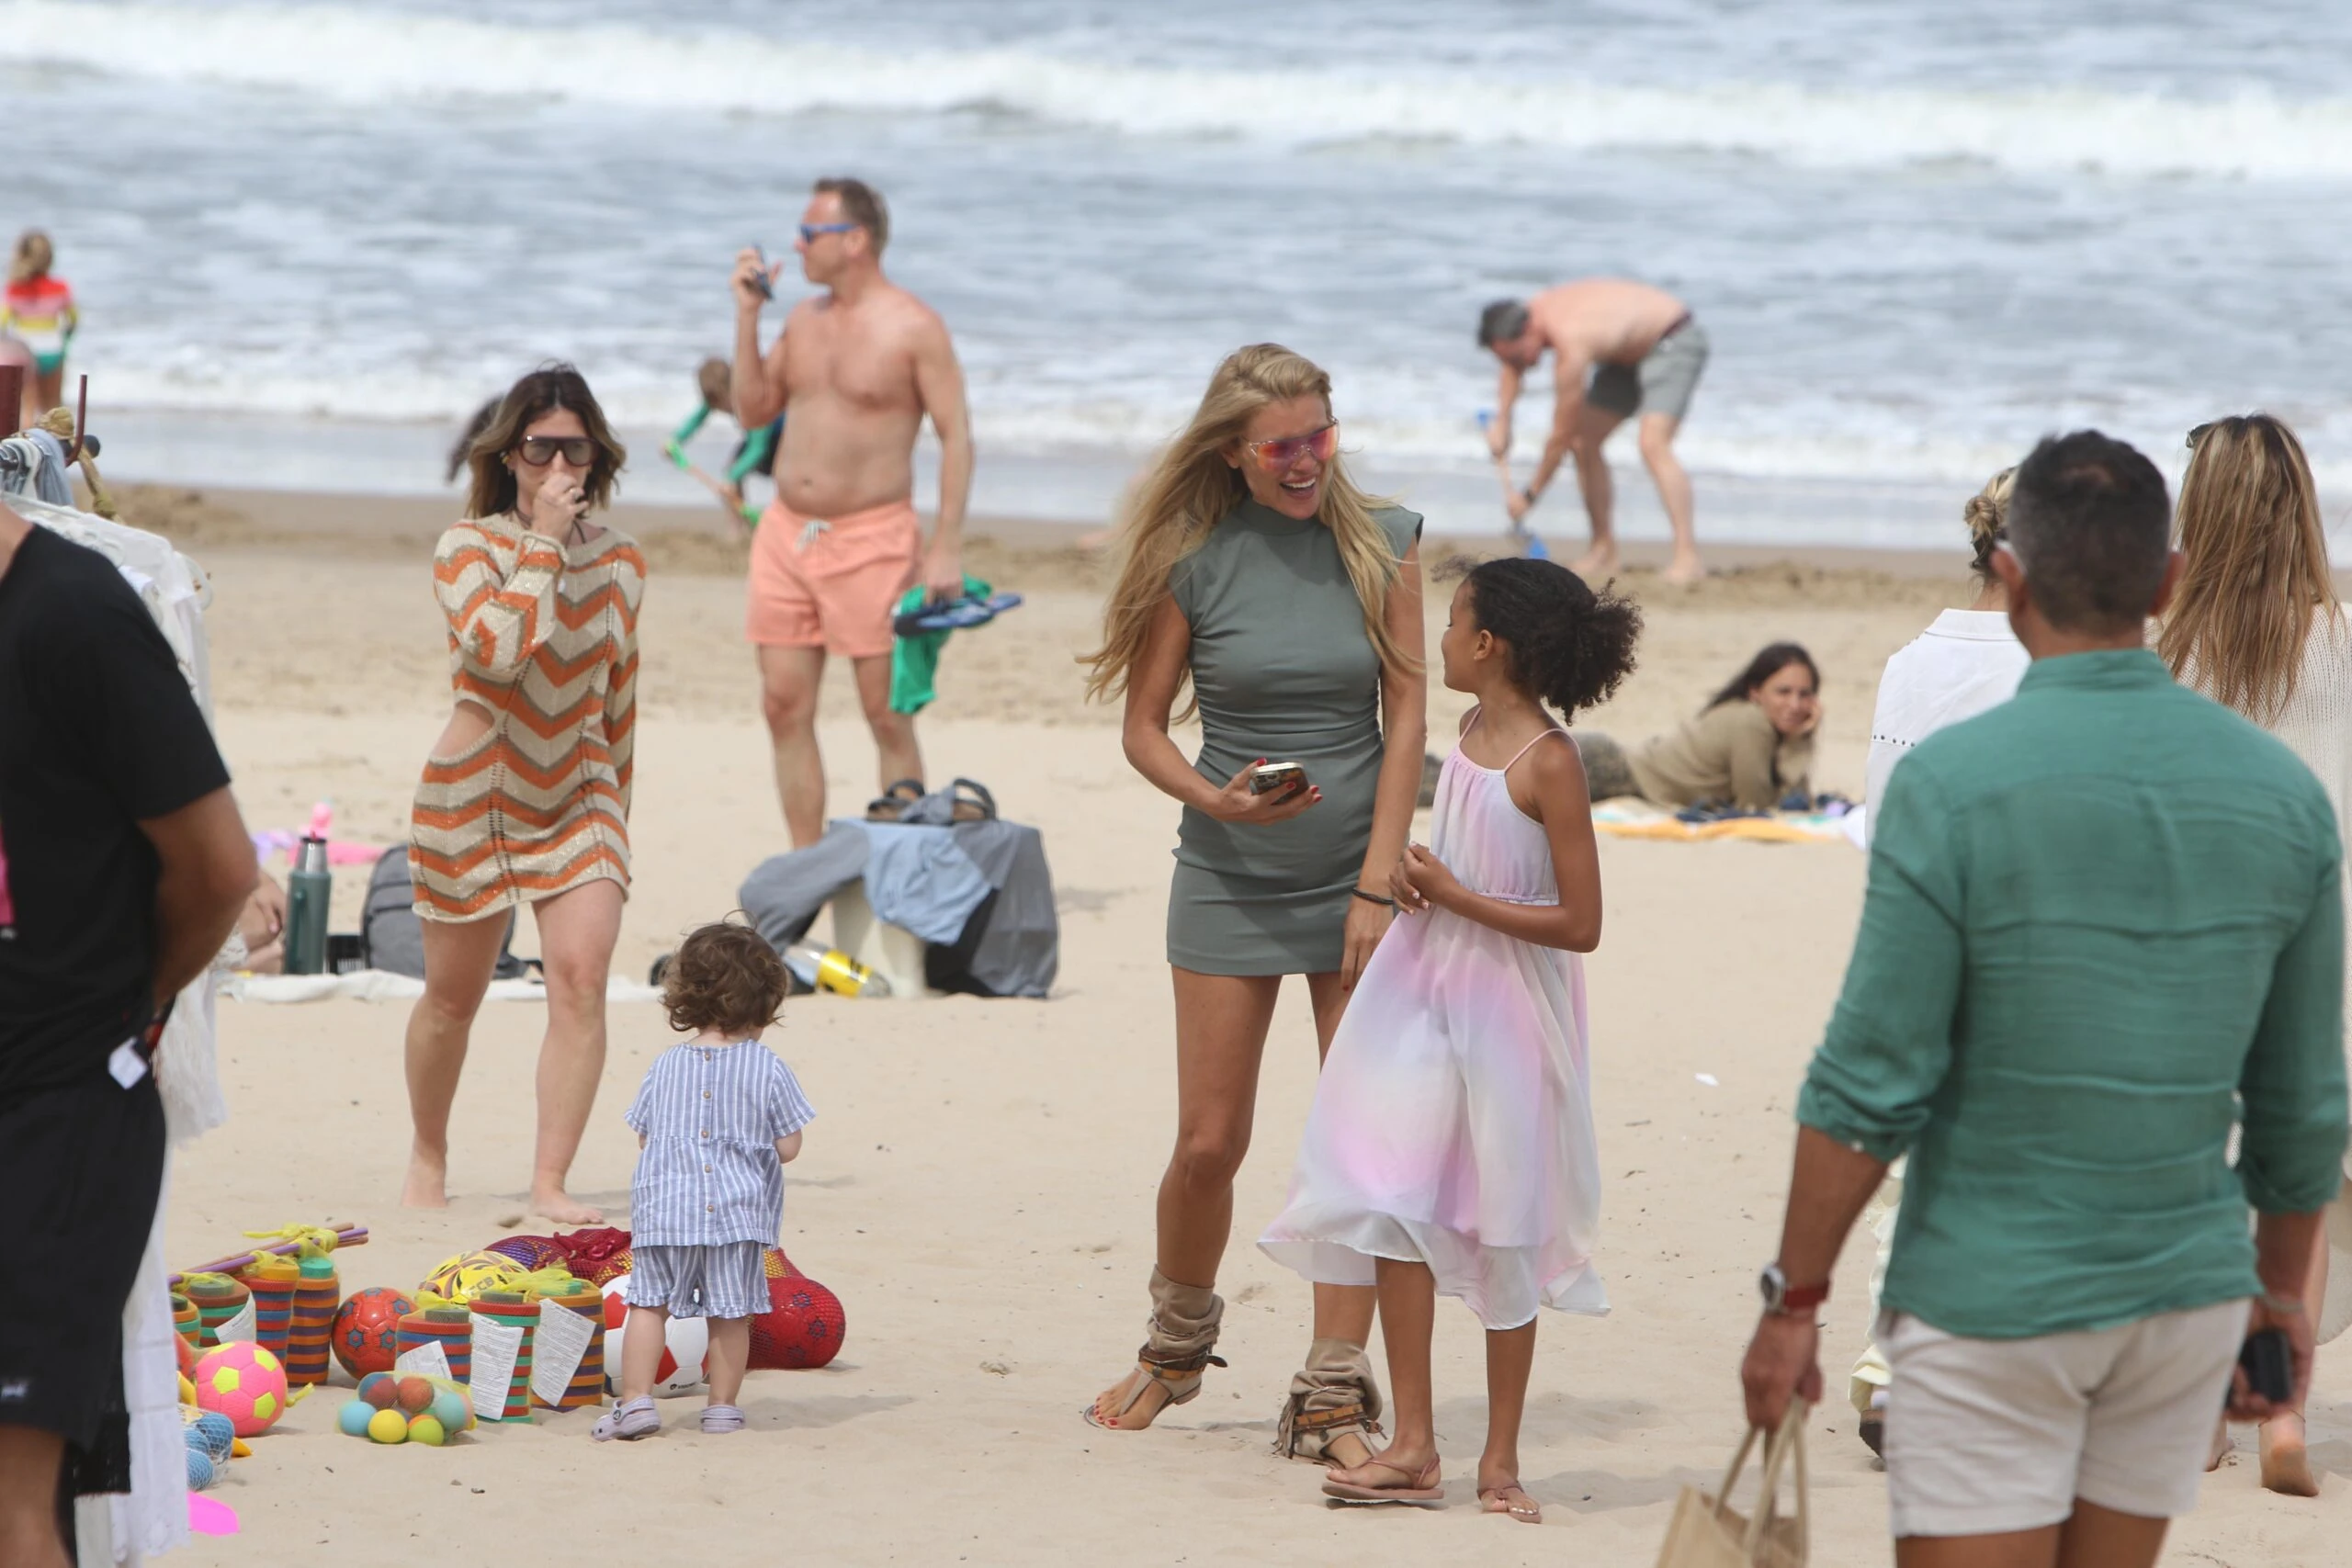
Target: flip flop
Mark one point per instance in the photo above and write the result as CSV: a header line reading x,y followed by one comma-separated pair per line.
x,y
1422,1490
887,806
953,615
1492,1501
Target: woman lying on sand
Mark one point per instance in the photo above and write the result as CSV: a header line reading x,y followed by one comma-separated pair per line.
x,y
1751,747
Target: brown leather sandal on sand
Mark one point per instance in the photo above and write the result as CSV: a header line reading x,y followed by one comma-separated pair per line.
x,y
1497,1500
1419,1491
1176,1376
1334,1396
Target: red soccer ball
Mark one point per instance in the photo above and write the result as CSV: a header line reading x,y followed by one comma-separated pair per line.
x,y
367,1329
801,1328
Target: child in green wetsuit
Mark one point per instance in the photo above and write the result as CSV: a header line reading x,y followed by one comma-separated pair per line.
x,y
754,454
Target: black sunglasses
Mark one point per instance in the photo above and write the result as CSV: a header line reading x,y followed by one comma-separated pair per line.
x,y
539,451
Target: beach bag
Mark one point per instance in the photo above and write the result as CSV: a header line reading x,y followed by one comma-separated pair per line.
x,y
1708,1532
391,937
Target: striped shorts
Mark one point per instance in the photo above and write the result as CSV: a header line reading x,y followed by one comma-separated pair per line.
x,y
727,1280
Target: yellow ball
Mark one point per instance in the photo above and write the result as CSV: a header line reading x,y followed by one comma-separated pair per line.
x,y
426,1430
387,1427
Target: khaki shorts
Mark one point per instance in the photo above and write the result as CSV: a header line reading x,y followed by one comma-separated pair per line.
x,y
1663,381
831,582
1987,1436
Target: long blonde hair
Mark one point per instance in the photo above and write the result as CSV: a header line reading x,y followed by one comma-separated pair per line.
x,y
1191,487
2254,566
1986,513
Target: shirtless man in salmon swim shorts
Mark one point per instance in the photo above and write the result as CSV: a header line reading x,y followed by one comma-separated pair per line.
x,y
1619,349
859,367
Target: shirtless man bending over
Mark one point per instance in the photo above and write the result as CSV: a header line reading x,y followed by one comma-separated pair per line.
x,y
1619,348
859,367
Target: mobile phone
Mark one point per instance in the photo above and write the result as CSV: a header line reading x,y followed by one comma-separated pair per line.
x,y
2269,1365
1270,777
767,290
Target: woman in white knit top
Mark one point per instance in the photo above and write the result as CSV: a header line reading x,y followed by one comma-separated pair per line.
x,y
2255,623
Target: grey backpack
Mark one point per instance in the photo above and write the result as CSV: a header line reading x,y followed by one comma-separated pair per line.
x,y
391,937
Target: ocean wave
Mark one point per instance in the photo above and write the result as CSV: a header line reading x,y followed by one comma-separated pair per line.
x,y
359,55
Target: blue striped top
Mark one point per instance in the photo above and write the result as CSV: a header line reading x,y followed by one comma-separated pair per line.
x,y
709,1173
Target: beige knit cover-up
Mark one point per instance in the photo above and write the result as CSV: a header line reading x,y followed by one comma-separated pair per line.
x,y
544,639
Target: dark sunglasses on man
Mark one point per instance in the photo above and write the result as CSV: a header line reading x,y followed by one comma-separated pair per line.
x,y
810,232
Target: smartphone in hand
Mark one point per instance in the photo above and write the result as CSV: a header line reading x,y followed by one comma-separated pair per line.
x,y
766,288
1273,777
2269,1365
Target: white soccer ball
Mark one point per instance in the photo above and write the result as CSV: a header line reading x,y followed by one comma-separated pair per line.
x,y
684,1348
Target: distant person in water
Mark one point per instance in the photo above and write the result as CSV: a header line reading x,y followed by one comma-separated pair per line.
x,y
36,310
754,454
1751,746
1619,349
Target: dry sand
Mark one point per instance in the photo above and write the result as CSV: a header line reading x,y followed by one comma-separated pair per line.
x,y
978,1185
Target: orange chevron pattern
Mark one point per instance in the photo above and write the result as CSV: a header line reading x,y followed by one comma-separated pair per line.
x,y
545,639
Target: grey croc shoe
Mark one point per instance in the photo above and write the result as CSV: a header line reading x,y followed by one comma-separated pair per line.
x,y
721,1418
629,1421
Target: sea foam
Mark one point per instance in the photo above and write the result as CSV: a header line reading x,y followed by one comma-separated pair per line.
x,y
356,53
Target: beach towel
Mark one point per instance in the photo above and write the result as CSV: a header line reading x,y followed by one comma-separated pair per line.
x,y
1638,819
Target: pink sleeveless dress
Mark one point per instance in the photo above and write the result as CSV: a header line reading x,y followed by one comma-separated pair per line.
x,y
1452,1122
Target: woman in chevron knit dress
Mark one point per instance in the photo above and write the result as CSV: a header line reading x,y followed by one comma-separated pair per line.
x,y
526,798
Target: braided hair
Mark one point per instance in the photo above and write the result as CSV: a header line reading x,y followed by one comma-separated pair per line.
x,y
1564,643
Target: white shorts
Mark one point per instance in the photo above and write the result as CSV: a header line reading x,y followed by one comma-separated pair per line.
x,y
1987,1436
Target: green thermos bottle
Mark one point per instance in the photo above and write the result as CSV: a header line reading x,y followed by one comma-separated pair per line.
x,y
307,889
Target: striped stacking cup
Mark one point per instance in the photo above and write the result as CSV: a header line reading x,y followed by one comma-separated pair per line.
x,y
316,1297
586,1389
273,1310
516,1310
187,1322
451,1327
219,1299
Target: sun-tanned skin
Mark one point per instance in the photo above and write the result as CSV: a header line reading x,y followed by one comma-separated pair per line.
x,y
860,367
1595,320
1222,1019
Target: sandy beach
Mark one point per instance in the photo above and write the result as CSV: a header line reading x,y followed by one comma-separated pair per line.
x,y
978,1185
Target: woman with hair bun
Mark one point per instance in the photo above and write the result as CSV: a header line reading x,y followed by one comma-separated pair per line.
x,y
524,799
1967,661
1450,1150
2255,623
1256,570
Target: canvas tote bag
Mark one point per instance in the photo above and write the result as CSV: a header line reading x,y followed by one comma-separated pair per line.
x,y
1708,1532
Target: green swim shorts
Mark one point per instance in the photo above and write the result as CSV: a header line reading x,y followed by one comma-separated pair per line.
x,y
1663,382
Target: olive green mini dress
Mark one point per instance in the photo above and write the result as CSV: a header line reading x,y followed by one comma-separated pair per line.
x,y
1284,670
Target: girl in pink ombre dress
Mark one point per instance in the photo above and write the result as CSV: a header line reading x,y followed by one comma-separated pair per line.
x,y
1450,1150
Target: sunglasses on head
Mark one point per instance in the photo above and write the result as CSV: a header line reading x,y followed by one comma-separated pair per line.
x,y
810,231
1280,454
539,451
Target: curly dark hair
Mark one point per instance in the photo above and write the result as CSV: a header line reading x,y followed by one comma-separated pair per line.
x,y
724,976
1564,643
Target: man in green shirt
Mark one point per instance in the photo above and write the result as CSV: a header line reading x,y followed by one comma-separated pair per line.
x,y
2104,922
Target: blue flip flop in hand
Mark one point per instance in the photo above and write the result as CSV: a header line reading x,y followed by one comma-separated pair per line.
x,y
953,615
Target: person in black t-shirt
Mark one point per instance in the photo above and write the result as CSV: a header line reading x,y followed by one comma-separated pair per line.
x,y
123,864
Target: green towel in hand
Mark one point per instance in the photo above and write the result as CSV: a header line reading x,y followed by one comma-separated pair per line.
x,y
914,660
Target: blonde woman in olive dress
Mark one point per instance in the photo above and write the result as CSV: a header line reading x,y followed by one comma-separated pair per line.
x,y
1257,570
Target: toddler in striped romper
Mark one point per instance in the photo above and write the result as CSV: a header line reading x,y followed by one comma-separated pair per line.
x,y
716,1120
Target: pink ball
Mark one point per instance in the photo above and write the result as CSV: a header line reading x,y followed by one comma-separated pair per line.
x,y
244,1382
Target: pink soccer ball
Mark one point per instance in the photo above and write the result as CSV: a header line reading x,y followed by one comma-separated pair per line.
x,y
244,1382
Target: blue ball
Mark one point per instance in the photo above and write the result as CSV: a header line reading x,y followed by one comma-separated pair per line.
x,y
449,1408
217,1434
352,1420
200,1470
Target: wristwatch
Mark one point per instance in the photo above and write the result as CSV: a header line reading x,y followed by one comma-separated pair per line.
x,y
1781,1299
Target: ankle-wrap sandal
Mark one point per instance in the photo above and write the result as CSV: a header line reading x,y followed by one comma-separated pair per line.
x,y
1181,1346
1333,1396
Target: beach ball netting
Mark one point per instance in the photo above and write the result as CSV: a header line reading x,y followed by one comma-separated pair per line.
x,y
804,1324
